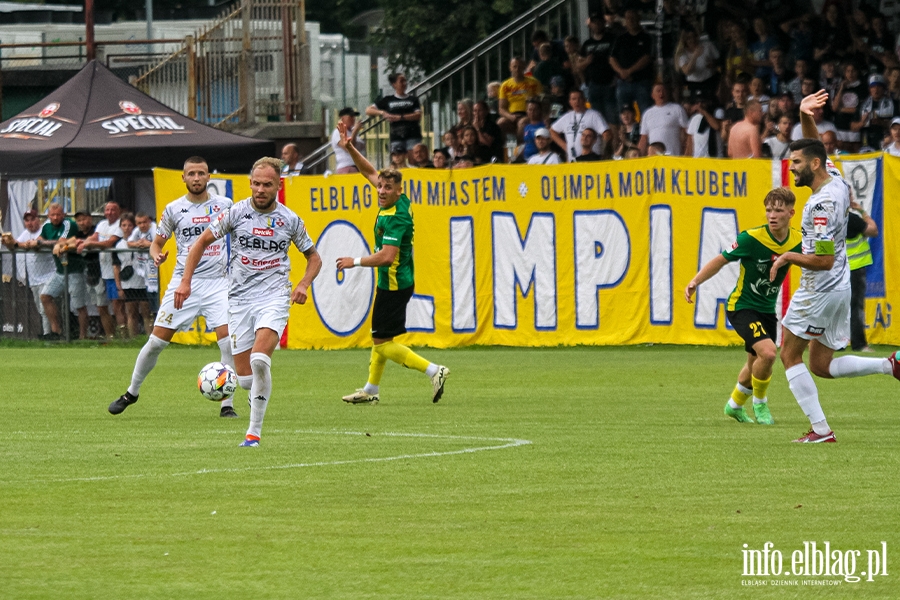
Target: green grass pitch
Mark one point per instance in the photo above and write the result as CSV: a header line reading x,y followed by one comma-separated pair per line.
x,y
543,473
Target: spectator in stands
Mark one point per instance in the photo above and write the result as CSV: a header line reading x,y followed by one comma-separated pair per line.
x,y
894,147
493,100
744,141
630,59
402,111
876,114
290,156
514,92
473,148
781,76
829,78
832,35
795,85
785,105
59,233
463,162
32,269
892,81
419,156
545,155
696,58
441,159
398,155
656,149
821,125
593,63
533,122
106,235
548,66
777,143
557,101
830,141
734,110
664,122
629,129
451,144
463,115
632,152
143,236
703,139
94,284
566,131
489,133
343,163
557,50
739,62
573,73
800,35
588,139
759,50
130,282
757,91
846,104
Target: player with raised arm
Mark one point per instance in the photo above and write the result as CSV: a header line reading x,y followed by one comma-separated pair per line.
x,y
185,219
751,305
259,294
393,260
819,312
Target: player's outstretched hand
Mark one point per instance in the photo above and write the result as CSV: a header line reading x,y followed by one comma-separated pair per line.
x,y
299,295
182,293
161,258
345,262
689,292
813,101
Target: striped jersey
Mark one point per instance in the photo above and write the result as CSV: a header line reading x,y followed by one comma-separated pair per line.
x,y
757,249
394,227
186,221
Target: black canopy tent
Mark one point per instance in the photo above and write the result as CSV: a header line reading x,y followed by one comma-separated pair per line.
x,y
97,125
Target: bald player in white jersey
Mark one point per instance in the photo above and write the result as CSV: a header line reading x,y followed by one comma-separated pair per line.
x,y
819,312
185,219
259,295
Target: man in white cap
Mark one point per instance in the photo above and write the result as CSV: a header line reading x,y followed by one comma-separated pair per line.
x,y
342,162
544,156
875,113
894,147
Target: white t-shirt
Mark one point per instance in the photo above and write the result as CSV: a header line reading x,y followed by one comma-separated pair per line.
x,y
892,149
104,231
664,124
148,270
571,124
704,66
130,259
260,267
185,221
342,157
797,131
779,149
701,140
551,158
38,267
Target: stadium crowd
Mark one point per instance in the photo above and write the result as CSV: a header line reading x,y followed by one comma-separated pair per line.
x,y
732,78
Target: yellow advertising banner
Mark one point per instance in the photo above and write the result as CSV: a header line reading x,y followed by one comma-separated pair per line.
x,y
587,253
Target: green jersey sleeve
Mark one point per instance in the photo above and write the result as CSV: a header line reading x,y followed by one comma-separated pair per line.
x,y
741,248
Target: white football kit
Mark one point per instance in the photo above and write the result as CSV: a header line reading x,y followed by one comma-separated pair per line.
x,y
820,308
260,285
186,221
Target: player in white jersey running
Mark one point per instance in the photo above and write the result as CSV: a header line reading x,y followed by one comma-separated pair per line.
x,y
819,312
260,293
185,219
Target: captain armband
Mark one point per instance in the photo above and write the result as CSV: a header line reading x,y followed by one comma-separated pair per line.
x,y
824,247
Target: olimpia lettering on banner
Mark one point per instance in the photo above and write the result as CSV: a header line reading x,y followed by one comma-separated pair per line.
x,y
594,253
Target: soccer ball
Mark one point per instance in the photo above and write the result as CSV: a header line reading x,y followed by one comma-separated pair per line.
x,y
217,381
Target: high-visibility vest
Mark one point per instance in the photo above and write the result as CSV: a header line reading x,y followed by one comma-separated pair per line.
x,y
858,252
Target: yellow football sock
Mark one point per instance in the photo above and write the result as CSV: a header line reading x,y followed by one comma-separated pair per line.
x,y
376,366
402,355
739,397
760,386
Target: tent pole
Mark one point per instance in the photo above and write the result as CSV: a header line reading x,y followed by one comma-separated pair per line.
x,y
89,29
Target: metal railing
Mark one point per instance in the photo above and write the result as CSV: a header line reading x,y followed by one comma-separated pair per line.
x,y
468,74
245,67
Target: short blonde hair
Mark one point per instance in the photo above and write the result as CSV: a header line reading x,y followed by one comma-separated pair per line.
x,y
268,161
780,196
391,174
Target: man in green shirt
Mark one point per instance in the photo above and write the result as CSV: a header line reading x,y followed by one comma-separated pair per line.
x,y
751,305
59,233
393,259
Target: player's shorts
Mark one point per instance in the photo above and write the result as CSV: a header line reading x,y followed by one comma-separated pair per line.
x,y
245,319
389,312
753,326
820,316
209,299
96,294
77,289
112,292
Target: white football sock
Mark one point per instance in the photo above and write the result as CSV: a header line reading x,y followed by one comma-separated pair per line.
x,y
245,381
432,370
228,359
744,389
857,366
370,389
733,404
804,389
145,362
260,391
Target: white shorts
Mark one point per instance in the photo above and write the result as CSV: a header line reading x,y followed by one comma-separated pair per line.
x,y
245,319
97,294
209,299
820,316
77,290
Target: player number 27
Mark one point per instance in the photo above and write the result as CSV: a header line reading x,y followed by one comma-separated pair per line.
x,y
758,329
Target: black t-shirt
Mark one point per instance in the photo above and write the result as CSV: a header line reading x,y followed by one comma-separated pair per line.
x,y
629,49
599,71
855,225
402,130
733,113
492,129
590,157
91,259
